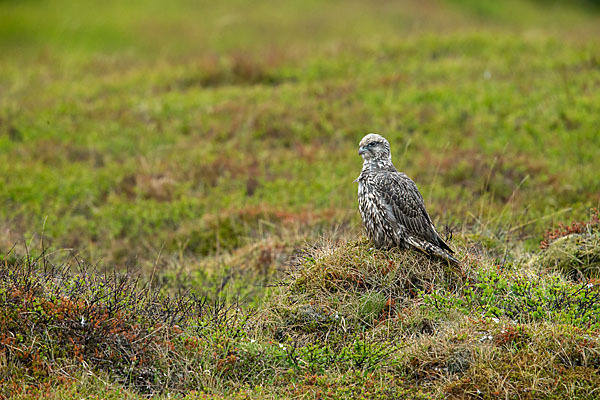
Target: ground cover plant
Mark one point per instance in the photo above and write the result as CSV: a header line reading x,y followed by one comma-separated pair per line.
x,y
178,218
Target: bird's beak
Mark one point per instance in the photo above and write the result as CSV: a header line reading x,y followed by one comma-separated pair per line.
x,y
361,151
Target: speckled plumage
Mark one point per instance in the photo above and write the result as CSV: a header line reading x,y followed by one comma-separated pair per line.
x,y
391,207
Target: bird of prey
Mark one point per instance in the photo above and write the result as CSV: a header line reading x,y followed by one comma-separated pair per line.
x,y
391,207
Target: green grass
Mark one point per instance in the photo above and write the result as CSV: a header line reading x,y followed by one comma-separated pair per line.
x,y
205,144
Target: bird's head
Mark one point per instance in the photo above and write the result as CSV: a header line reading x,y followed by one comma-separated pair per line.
x,y
374,147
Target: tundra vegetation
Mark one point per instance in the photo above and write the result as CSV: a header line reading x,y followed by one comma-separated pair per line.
x,y
178,217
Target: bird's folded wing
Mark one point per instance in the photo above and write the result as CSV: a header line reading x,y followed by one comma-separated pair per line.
x,y
404,202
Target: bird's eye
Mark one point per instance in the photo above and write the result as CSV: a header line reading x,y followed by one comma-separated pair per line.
x,y
372,144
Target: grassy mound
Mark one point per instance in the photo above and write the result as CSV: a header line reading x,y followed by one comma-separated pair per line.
x,y
349,287
573,250
451,333
576,255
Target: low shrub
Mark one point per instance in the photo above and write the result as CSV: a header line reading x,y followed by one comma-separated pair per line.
x,y
54,323
524,299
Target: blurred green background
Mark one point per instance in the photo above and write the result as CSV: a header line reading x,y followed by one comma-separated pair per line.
x,y
192,131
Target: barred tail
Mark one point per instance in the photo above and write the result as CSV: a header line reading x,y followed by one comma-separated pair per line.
x,y
431,249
